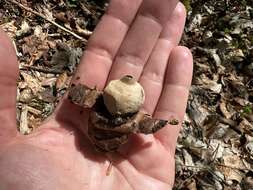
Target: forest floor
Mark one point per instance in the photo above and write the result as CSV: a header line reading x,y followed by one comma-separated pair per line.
x,y
215,146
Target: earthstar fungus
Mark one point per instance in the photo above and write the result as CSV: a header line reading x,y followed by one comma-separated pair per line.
x,y
115,112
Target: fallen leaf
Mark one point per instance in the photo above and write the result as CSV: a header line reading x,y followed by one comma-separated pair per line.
x,y
10,29
33,83
25,28
62,81
25,95
246,127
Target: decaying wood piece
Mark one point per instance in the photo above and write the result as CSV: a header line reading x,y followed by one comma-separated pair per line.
x,y
107,131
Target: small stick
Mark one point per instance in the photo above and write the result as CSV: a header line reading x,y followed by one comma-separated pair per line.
x,y
24,129
51,21
44,70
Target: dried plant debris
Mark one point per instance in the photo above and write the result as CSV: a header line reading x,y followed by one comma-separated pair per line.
x,y
218,131
65,58
219,118
83,95
115,112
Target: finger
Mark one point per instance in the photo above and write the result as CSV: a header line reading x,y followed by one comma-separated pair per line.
x,y
154,71
172,103
141,38
8,79
105,42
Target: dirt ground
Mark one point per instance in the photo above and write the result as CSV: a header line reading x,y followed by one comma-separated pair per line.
x,y
215,146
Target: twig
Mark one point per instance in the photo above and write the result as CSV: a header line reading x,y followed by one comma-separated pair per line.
x,y
34,110
233,125
51,21
24,129
44,70
85,9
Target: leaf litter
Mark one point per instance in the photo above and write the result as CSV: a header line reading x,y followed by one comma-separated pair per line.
x,y
215,146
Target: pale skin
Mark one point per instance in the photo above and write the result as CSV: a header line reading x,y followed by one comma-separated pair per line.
x,y
135,37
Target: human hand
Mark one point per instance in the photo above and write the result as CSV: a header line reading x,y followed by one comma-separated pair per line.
x,y
58,155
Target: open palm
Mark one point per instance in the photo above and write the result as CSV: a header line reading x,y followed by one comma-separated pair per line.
x,y
134,37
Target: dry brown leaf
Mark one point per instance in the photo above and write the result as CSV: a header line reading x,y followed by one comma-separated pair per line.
x,y
83,32
22,85
233,161
48,14
35,45
48,82
246,127
47,95
34,122
248,183
197,147
215,150
33,83
25,95
65,58
34,111
187,158
62,17
192,184
51,44
231,174
25,28
249,148
210,84
241,101
233,167
236,55
9,28
62,81
223,108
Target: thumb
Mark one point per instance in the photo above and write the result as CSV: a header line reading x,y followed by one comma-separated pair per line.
x,y
8,77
